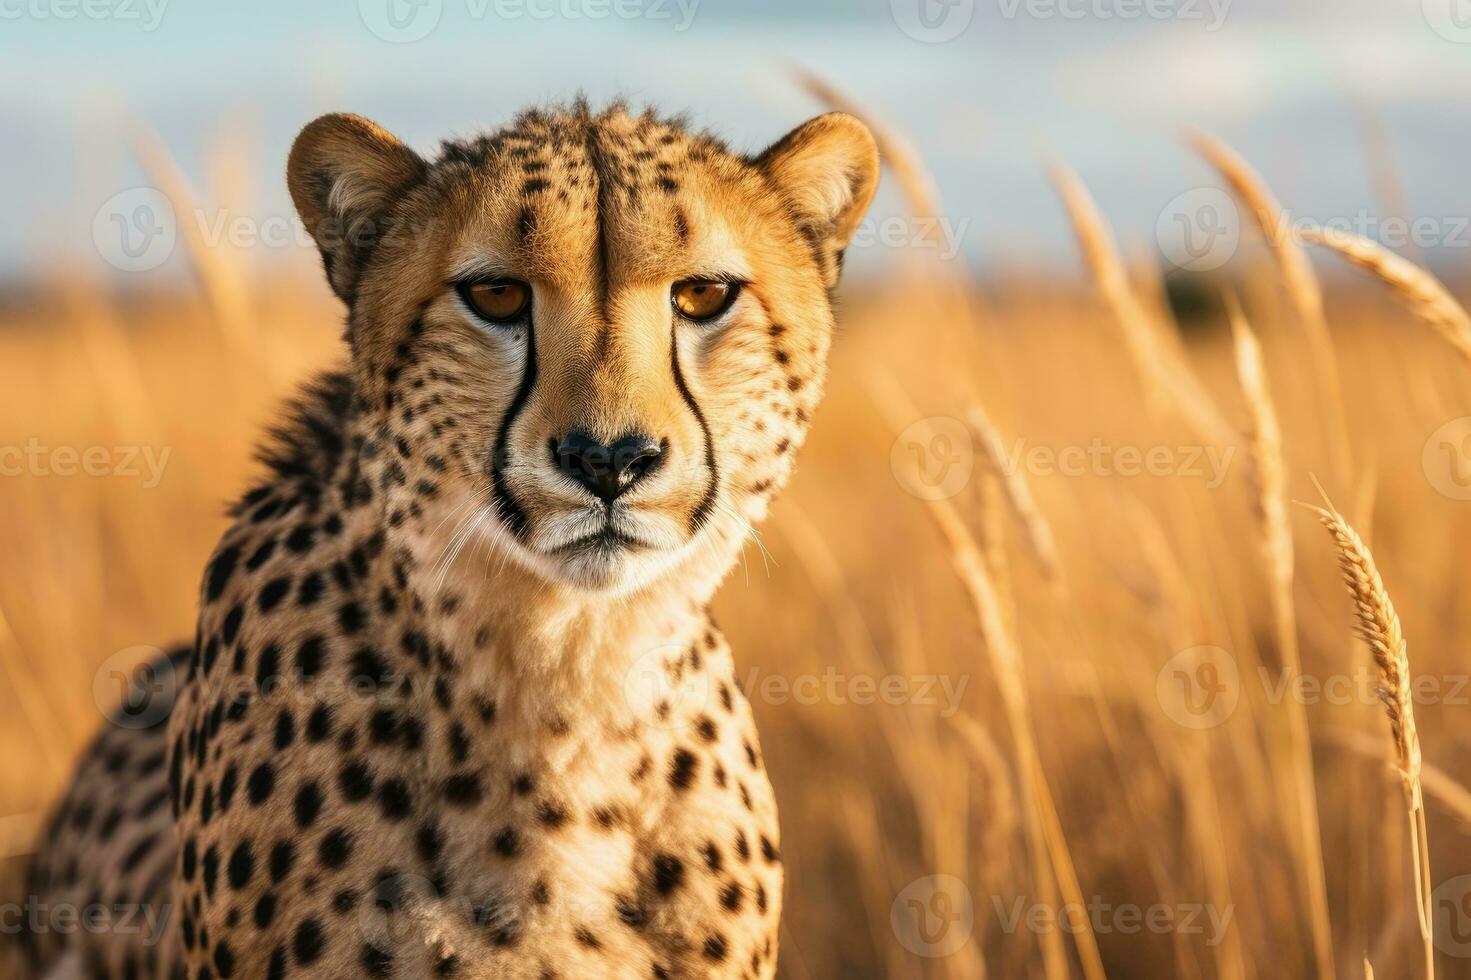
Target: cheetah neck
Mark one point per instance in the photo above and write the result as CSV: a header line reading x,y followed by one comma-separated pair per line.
x,y
556,659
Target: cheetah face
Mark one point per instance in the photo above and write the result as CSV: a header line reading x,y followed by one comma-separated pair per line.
x,y
595,337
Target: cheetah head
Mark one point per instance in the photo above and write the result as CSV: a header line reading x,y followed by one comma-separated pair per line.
x,y
594,338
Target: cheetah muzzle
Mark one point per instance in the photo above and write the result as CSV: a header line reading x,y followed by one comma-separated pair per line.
x,y
455,706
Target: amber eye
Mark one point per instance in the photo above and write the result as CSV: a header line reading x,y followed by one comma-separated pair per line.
x,y
703,299
499,300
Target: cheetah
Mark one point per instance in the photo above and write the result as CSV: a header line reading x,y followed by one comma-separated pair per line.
x,y
455,706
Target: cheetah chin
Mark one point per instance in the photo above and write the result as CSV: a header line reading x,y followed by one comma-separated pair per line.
x,y
455,705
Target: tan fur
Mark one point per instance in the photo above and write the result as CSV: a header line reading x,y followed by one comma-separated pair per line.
x,y
421,735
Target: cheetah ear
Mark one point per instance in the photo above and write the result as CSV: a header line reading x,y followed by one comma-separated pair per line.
x,y
344,174
828,168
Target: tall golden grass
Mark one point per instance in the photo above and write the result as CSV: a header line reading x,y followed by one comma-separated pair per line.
x,y
1239,822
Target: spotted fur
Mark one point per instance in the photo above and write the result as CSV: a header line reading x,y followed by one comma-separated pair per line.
x,y
446,714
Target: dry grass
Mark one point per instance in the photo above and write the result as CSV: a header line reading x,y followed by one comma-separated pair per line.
x,y
1065,764
1304,292
1378,625
1269,483
1421,292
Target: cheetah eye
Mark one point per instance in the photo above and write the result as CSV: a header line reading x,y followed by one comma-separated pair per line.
x,y
702,300
498,301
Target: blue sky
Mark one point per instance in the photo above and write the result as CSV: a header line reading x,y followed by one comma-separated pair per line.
x,y
1303,89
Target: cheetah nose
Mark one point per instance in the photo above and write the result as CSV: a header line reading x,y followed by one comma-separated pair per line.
x,y
607,471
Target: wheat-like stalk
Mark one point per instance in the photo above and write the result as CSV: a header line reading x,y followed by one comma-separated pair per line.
x,y
1292,262
1269,478
1303,288
1169,385
1439,785
1422,293
1043,825
1264,444
991,508
223,283
1378,625
1036,530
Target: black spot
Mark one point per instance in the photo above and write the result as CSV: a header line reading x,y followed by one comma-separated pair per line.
x,y
319,723
261,555
277,969
260,784
668,873
459,742
551,814
715,948
285,730
383,726
309,657
220,571
300,540
394,799
355,781
188,860
224,959
377,962
429,841
265,910
273,592
682,768
463,789
311,589
308,804
335,848
506,842
138,852
242,865
211,869
283,859
110,824
369,665
351,617
231,627
308,942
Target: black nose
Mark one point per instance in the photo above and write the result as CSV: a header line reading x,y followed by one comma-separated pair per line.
x,y
606,471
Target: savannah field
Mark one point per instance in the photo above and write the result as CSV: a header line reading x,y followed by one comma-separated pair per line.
x,y
1055,668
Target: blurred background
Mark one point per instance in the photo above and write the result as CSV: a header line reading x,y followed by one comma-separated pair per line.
x,y
1053,678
